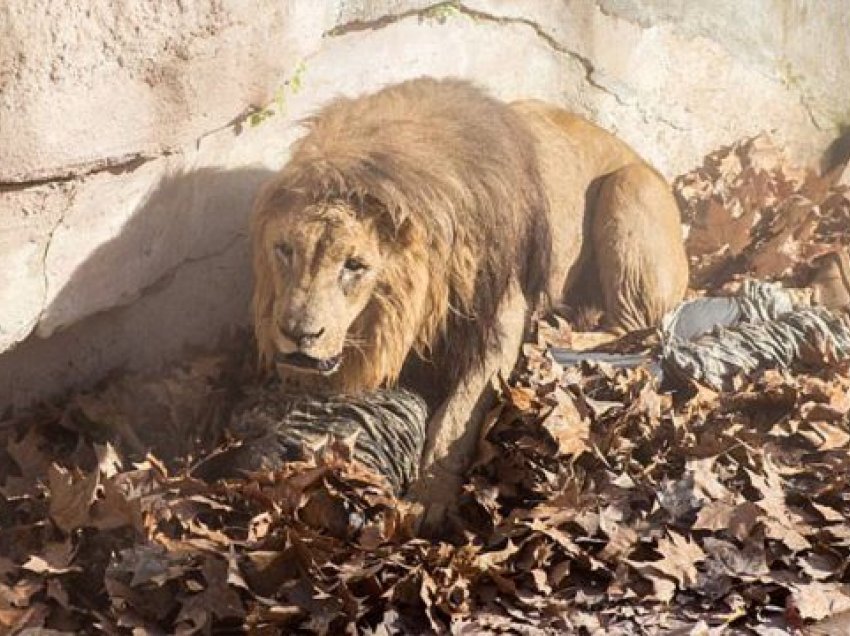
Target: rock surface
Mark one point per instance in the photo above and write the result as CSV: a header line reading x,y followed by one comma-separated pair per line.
x,y
133,136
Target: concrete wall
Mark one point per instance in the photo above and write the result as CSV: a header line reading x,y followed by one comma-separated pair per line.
x,y
133,134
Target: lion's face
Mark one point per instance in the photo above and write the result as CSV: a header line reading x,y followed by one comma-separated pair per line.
x,y
325,261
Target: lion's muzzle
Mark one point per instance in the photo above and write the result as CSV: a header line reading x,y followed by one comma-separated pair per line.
x,y
303,339
306,350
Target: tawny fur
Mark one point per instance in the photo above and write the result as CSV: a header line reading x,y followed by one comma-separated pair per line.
x,y
455,175
481,209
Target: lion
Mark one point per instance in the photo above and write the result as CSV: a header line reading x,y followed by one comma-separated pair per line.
x,y
414,231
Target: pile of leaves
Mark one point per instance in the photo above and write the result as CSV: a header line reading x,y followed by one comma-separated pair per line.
x,y
749,213
635,511
600,502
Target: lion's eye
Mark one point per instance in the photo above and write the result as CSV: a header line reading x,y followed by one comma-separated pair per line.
x,y
354,266
283,251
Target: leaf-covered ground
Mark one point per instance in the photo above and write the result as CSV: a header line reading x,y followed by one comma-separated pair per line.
x,y
599,504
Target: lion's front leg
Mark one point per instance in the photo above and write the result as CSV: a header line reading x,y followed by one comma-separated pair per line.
x,y
454,429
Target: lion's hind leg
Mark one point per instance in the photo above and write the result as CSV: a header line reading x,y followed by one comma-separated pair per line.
x,y
638,248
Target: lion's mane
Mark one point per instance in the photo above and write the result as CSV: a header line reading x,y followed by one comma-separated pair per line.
x,y
455,173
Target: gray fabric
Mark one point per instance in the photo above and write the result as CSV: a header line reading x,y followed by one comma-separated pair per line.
x,y
697,317
274,428
770,333
761,301
756,302
570,357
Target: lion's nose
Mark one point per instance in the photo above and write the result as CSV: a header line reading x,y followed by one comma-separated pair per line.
x,y
302,338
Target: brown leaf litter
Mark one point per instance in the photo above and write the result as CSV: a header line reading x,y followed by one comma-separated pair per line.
x,y
599,504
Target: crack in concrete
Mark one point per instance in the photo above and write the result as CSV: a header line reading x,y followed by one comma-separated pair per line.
x,y
129,162
169,274
586,64
475,14
683,32
115,165
385,20
72,195
809,109
427,12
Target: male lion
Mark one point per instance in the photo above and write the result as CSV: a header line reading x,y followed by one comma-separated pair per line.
x,y
414,229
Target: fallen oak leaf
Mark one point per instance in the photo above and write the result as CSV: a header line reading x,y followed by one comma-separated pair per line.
x,y
494,559
721,229
109,462
820,566
148,565
835,624
779,521
679,498
29,454
705,479
679,558
791,229
72,494
522,398
716,515
23,621
745,516
116,510
663,588
747,563
620,543
566,425
817,600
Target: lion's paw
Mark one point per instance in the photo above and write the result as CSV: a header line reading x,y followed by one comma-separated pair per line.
x,y
438,492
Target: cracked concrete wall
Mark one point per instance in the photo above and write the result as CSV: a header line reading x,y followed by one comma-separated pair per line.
x,y
133,135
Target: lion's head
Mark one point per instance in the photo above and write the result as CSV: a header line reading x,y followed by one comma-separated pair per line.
x,y
328,263
395,228
330,278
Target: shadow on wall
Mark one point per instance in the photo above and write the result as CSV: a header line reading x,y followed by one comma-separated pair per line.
x,y
838,152
177,275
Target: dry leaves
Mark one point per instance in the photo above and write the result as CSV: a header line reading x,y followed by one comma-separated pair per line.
x,y
599,502
750,213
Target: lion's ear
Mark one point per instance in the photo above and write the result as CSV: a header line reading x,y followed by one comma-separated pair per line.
x,y
394,226
403,236
408,233
368,206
